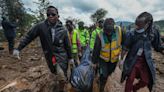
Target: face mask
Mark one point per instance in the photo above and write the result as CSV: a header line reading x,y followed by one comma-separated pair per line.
x,y
140,30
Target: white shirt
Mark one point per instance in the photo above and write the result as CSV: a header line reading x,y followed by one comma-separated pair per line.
x,y
53,34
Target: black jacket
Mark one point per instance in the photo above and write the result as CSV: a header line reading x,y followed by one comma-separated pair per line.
x,y
60,47
9,28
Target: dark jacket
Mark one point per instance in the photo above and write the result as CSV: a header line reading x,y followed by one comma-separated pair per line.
x,y
105,68
145,40
9,29
60,47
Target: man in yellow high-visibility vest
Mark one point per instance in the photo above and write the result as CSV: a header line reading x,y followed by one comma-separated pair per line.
x,y
106,50
83,35
98,29
75,42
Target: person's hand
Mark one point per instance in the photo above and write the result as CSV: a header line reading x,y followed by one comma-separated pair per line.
x,y
162,52
71,62
121,64
94,66
80,54
69,69
16,54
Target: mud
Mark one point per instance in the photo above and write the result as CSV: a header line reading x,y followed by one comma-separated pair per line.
x,y
31,74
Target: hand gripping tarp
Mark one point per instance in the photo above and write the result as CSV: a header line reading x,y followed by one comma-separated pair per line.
x,y
83,75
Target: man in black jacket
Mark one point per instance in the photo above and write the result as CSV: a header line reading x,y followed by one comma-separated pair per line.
x,y
9,31
55,43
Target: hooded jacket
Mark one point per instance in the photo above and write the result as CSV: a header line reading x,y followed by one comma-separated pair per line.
x,y
9,28
145,40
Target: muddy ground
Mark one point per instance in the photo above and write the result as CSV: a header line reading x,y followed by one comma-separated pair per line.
x,y
31,74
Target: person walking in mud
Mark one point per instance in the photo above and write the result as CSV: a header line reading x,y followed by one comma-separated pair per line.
x,y
75,44
9,32
55,44
138,46
106,50
75,41
99,26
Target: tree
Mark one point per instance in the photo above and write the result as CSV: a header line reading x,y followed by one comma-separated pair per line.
x,y
14,10
98,15
30,20
2,8
42,6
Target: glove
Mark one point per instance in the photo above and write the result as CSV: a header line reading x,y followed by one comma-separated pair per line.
x,y
71,62
94,66
80,54
16,53
162,52
121,64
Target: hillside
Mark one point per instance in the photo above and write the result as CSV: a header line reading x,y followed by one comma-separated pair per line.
x,y
124,23
160,24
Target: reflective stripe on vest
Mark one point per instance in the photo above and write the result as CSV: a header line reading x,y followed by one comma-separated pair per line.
x,y
74,42
93,37
115,47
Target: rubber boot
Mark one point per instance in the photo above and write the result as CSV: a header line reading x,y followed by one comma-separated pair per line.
x,y
10,51
61,86
102,84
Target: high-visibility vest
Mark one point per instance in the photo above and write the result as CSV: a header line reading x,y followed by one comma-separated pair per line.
x,y
74,42
110,51
93,37
84,36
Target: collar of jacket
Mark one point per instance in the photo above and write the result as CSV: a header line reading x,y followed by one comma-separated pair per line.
x,y
58,23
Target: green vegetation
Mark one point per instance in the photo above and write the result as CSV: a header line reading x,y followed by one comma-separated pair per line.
x,y
98,15
160,24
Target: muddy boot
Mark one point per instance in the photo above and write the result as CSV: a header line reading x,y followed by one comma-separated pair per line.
x,y
102,83
10,51
61,86
102,86
1,48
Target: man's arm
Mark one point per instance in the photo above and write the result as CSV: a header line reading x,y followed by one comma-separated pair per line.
x,y
31,35
67,45
126,44
96,50
78,43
